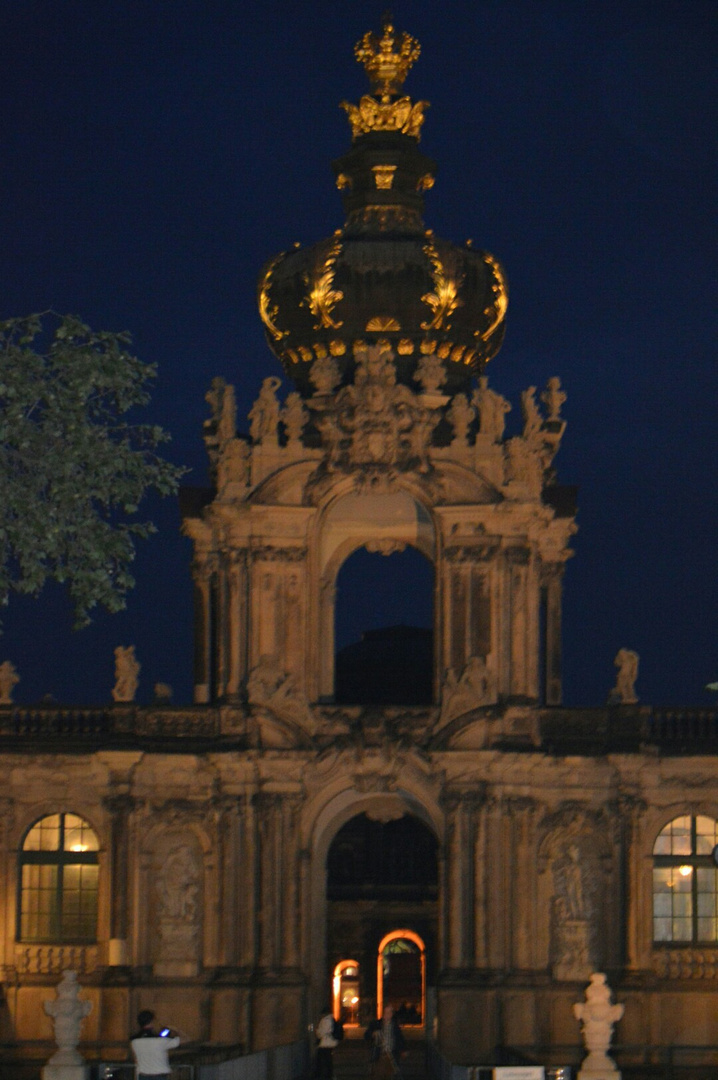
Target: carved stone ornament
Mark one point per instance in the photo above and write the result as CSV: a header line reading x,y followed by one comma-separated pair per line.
x,y
375,421
430,373
294,416
67,1012
553,398
177,887
270,687
474,688
598,1016
324,375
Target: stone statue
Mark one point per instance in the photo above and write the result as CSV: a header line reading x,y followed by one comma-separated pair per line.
x,y
234,464
492,408
9,678
624,692
67,1012
473,689
460,415
553,398
162,693
295,417
220,398
324,375
177,886
531,415
597,1016
127,671
523,465
264,414
430,373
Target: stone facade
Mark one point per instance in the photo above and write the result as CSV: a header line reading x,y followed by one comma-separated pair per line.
x,y
208,828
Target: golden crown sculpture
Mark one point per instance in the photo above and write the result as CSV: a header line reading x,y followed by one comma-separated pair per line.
x,y
386,69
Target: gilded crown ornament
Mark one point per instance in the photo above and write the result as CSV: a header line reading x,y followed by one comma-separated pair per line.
x,y
386,68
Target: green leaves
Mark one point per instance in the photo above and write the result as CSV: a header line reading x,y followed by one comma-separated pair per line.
x,y
73,469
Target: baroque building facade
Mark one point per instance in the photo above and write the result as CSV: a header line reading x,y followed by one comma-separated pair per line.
x,y
474,858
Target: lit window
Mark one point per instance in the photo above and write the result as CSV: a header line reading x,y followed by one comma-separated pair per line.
x,y
58,872
685,882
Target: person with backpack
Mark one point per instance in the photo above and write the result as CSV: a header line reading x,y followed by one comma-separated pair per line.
x,y
326,1033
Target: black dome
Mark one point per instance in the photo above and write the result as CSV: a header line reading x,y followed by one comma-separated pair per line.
x,y
384,276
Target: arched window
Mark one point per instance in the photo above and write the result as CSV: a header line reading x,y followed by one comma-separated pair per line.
x,y
685,881
58,875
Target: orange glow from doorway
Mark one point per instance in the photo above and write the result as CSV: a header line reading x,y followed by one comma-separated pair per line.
x,y
408,935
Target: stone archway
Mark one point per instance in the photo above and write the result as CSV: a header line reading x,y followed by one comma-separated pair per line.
x,y
382,522
390,800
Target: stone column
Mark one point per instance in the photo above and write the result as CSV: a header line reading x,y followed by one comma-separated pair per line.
x,y
522,879
270,879
120,807
327,644
552,582
236,622
632,899
202,574
290,921
461,813
523,610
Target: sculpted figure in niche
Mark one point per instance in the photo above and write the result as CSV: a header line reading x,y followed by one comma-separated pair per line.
x,y
127,671
492,409
460,416
9,678
177,886
531,415
295,417
624,692
264,414
553,398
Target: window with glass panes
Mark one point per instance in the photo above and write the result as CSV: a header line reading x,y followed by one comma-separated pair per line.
x,y
685,882
58,874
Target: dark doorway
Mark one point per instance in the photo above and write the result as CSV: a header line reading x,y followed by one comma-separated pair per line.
x,y
384,635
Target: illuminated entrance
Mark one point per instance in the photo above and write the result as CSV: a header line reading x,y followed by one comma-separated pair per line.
x,y
401,976
345,992
382,916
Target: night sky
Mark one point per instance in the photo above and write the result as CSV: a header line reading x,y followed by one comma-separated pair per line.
x,y
154,155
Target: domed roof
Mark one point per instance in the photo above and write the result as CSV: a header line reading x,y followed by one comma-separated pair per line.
x,y
384,275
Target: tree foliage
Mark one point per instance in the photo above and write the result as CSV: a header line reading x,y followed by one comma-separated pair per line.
x,y
73,466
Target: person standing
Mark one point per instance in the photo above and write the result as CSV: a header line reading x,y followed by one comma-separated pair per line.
x,y
387,1045
151,1049
324,1068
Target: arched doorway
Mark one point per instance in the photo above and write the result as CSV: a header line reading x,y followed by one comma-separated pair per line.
x,y
382,911
346,998
384,628
401,976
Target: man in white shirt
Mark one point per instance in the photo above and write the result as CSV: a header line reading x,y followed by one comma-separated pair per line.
x,y
151,1049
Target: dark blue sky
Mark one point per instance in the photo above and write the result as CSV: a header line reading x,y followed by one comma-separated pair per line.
x,y
155,154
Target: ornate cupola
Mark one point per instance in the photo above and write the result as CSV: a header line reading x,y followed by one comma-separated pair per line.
x,y
384,276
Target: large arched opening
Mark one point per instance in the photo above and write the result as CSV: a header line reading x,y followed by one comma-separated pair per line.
x,y
384,628
376,596
382,912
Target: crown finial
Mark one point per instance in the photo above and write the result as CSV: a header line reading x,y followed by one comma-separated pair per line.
x,y
387,58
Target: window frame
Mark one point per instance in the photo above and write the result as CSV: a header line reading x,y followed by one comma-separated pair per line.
x,y
61,859
696,862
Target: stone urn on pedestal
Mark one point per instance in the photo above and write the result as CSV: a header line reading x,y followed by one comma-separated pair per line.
x,y
67,1012
597,1016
